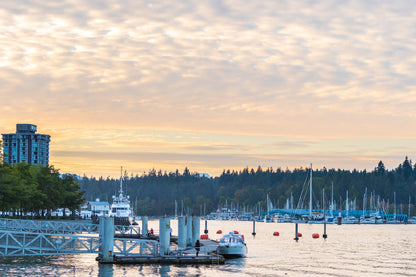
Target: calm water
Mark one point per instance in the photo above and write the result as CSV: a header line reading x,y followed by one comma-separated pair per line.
x,y
349,250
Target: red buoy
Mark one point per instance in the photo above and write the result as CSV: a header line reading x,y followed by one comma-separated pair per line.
x,y
276,234
315,236
299,234
204,236
236,232
219,232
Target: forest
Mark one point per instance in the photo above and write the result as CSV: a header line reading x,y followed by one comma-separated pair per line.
x,y
155,193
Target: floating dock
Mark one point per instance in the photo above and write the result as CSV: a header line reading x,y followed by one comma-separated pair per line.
x,y
181,260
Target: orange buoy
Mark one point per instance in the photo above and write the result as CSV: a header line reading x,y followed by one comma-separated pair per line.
x,y
315,235
299,234
276,234
236,232
204,236
219,232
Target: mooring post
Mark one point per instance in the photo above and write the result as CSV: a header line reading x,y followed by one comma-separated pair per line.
x,y
107,236
296,233
164,235
254,228
188,230
101,234
206,227
195,229
182,232
145,230
324,235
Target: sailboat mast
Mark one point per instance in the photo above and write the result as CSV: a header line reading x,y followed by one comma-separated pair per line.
x,y
332,199
121,180
310,194
347,207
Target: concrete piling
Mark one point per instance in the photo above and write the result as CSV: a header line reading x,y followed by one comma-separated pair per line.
x,y
107,236
164,235
188,230
182,228
144,226
195,229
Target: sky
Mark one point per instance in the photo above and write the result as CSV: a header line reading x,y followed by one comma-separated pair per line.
x,y
211,85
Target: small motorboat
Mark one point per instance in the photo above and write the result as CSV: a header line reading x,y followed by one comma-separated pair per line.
x,y
232,245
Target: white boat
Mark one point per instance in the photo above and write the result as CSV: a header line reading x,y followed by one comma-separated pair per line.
x,y
412,220
232,245
121,203
349,220
371,219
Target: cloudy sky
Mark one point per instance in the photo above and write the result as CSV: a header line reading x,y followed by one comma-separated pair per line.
x,y
211,85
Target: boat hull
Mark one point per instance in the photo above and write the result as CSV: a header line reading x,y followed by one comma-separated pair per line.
x,y
232,251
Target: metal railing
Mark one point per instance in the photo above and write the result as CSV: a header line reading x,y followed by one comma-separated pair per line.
x,y
48,226
60,227
137,247
13,243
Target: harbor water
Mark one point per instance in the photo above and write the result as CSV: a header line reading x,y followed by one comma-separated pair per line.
x,y
349,250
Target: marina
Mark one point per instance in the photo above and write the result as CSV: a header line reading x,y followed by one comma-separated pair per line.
x,y
349,250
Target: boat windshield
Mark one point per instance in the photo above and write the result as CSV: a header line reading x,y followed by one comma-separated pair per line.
x,y
234,239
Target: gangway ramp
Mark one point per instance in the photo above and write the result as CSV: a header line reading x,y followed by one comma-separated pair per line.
x,y
21,243
60,226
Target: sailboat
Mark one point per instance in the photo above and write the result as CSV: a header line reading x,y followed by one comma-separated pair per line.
x,y
348,219
314,217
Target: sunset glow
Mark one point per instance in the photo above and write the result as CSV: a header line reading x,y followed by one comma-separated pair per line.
x,y
211,85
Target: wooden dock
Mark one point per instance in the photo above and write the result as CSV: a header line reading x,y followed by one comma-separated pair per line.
x,y
187,256
181,260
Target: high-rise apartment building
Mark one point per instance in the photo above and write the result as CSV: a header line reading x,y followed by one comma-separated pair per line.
x,y
26,146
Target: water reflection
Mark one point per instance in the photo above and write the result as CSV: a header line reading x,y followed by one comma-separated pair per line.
x,y
234,265
105,270
164,270
356,250
34,266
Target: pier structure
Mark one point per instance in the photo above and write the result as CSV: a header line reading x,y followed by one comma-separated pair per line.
x,y
42,241
19,239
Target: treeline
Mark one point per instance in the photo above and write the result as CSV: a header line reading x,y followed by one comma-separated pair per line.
x,y
37,190
156,192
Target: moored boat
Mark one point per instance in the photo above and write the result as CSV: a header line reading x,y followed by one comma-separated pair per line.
x,y
232,245
120,208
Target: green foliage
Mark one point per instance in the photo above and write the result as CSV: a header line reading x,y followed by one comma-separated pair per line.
x,y
30,188
1,153
155,193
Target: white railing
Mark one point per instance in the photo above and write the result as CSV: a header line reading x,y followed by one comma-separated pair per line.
x,y
47,226
13,243
60,227
138,247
